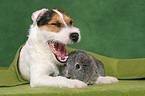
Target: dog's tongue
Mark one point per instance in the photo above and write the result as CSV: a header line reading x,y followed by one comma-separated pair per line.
x,y
60,51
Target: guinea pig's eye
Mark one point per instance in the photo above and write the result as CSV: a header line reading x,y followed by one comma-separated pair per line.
x,y
77,67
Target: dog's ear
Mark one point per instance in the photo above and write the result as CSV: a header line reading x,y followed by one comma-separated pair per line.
x,y
60,10
36,15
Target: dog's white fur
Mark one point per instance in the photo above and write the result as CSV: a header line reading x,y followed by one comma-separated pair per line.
x,y
37,62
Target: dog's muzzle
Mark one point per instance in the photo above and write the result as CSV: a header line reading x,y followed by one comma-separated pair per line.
x,y
74,37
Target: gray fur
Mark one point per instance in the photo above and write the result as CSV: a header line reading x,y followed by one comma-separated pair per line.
x,y
91,68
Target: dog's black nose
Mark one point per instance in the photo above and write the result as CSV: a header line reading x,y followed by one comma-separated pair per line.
x,y
74,37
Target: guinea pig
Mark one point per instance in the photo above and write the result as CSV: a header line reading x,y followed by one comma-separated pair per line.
x,y
82,66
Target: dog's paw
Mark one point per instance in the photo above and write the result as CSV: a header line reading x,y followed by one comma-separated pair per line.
x,y
106,80
76,84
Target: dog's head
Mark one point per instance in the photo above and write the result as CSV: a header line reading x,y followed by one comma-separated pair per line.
x,y
58,29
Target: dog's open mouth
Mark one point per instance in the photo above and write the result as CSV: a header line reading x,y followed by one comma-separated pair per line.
x,y
59,50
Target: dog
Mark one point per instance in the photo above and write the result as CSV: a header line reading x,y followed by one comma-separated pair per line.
x,y
46,49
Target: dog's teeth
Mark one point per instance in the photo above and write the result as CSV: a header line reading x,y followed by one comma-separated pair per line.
x,y
63,60
54,49
52,44
59,58
66,57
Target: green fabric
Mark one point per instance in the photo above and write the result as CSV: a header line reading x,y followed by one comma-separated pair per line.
x,y
11,76
119,68
123,88
3,68
112,28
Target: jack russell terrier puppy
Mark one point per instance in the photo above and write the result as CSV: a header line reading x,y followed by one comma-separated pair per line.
x,y
46,49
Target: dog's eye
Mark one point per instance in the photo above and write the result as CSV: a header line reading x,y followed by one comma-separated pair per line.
x,y
56,24
71,22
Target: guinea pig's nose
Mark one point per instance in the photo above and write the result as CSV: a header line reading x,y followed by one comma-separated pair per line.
x,y
74,37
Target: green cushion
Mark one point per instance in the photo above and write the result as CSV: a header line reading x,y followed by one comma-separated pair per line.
x,y
3,68
123,88
119,68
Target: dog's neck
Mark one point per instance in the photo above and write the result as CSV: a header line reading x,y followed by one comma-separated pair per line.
x,y
35,37
37,41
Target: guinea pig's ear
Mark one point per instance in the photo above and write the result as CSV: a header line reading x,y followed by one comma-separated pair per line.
x,y
37,14
85,62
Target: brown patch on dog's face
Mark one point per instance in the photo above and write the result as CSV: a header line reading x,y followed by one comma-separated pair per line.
x,y
55,24
67,19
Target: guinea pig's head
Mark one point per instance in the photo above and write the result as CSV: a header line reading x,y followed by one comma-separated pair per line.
x,y
80,65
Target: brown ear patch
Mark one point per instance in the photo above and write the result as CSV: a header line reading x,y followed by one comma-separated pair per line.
x,y
47,16
60,10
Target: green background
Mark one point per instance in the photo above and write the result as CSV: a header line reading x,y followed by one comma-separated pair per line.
x,y
112,28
